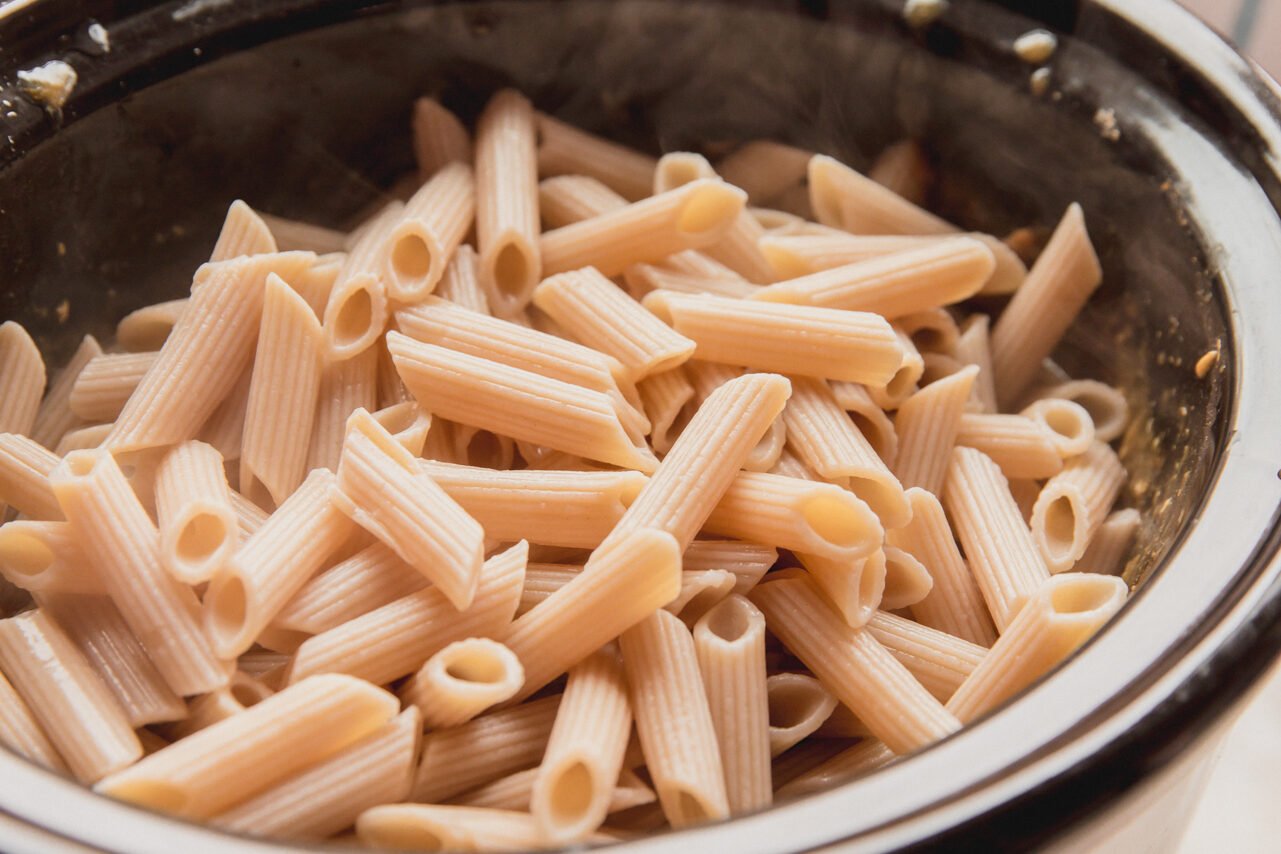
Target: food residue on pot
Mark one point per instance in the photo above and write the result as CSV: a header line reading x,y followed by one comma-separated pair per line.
x,y
1105,121
920,13
1206,363
1035,46
1039,81
98,35
50,84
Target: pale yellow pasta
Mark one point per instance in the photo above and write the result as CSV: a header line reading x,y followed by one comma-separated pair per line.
x,y
765,169
906,379
248,753
927,425
568,508
54,418
205,354
1106,405
22,379
316,283
46,557
600,315
700,591
954,604
434,222
573,198
693,263
694,216
82,438
567,150
1073,504
104,386
729,641
240,693
507,202
482,750
792,255
225,428
798,705
439,138
939,661
407,424
381,487
867,755
1023,447
937,273
145,330
94,624
517,403
748,562
357,309
801,515
243,233
327,797
871,420
272,564
629,577
830,443
1003,557
249,516
395,639
1109,548
578,777
907,581
853,665
678,168
124,546
843,345
292,234
641,279
198,529
1064,276
462,680
460,283
372,577
345,386
21,732
513,791
75,709
854,587
674,721
1063,613
932,331
666,397
972,349
1068,422
429,827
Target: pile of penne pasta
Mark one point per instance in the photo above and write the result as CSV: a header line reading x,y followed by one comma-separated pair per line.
x,y
685,490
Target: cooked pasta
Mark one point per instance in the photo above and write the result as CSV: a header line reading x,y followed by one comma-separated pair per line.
x,y
927,425
54,418
1023,447
907,581
1109,412
146,329
46,557
104,386
461,282
462,680
1110,547
372,577
765,169
507,202
573,198
439,138
747,562
198,530
434,222
357,309
665,397
22,379
797,706
566,150
345,386
429,827
1070,424
1073,504
21,732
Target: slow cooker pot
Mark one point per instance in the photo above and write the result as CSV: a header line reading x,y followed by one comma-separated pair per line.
x,y
1169,139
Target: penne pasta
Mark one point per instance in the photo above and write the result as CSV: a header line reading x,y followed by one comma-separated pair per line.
x,y
566,199
972,349
198,528
22,379
666,397
1003,557
21,733
641,279
82,439
147,329
293,234
678,168
854,587
747,562
1069,424
424,827
46,557
1023,447
906,379
1073,504
439,138
461,281
927,425
907,581
567,150
54,417
867,755
1109,548
462,680
507,202
1109,412
765,169
344,387
939,661
434,222
357,309
243,233
371,578
104,386
869,418
797,705
225,429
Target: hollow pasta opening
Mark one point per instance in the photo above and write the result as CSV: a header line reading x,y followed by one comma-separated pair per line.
x,y
730,620
688,809
156,794
23,553
792,703
834,520
228,604
355,316
572,791
476,666
82,464
201,537
1080,594
411,257
511,270
706,208
1060,526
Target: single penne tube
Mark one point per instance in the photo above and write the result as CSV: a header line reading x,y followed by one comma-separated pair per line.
x,y
240,693
829,442
480,751
854,587
937,273
357,309
507,202
390,389
237,758
517,403
932,331
1070,424
700,591
98,630
641,279
381,487
792,255
972,349
282,396
694,216
1109,548
853,665
867,755
872,421
294,234
1073,504
906,379
566,150
674,721
243,233
434,222
461,282
329,796
678,168
75,709
798,705
439,138
145,330
345,386
1064,613
22,379
566,199
801,515
272,564
939,661
198,528
748,562
21,733
954,604
1003,556
576,781
907,580
372,577
124,546
729,641
205,354
666,397
25,467
765,169
600,315
225,428
406,423
1106,405
432,827
394,640
104,386
46,557
82,439
1024,448
560,508
316,282
462,680
1064,276
843,345
54,417
514,791
927,425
